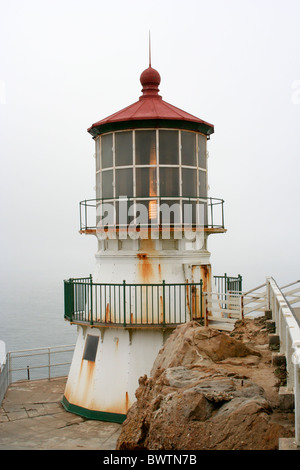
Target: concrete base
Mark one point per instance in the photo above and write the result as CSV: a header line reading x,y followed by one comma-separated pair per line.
x,y
278,359
274,342
287,444
271,326
286,399
268,314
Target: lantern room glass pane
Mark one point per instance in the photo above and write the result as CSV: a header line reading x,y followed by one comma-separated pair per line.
x,y
189,209
168,148
107,151
202,184
145,148
123,143
146,182
170,212
98,154
169,181
124,182
98,185
188,148
107,184
201,151
189,182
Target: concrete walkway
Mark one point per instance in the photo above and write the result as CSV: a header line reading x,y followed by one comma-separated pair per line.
x,y
32,417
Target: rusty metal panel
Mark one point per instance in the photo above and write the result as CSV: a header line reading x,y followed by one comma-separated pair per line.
x,y
109,383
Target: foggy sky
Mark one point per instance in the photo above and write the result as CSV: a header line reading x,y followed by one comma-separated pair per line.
x,y
67,64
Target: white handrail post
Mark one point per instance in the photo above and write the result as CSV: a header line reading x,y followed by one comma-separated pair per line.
x,y
268,299
289,362
297,395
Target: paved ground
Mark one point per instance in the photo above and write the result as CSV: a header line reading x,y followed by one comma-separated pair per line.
x,y
32,417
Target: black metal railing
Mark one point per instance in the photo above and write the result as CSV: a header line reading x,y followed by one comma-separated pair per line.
x,y
176,212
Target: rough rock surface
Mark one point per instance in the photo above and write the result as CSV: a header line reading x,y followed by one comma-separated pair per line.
x,y
209,390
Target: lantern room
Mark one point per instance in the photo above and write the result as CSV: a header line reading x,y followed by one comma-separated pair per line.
x,y
151,150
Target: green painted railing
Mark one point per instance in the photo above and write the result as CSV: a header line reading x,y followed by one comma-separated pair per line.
x,y
226,283
132,304
139,304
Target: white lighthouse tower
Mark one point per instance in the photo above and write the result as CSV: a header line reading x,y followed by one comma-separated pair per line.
x,y
151,217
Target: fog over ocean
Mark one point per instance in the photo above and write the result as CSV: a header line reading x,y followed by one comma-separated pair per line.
x,y
32,314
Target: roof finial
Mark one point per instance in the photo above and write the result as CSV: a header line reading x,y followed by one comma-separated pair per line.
x,y
149,49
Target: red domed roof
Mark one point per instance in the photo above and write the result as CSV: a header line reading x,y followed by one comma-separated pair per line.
x,y
149,107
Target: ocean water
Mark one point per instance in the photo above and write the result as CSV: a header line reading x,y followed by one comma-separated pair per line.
x,y
32,313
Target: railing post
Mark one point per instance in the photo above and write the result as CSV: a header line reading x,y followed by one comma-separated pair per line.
x,y
206,310
69,299
80,218
124,302
201,300
91,298
164,303
297,401
242,306
223,225
240,281
268,289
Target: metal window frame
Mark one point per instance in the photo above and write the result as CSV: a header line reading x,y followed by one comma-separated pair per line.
x,y
180,166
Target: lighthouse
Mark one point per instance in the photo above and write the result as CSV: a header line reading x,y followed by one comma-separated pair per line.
x,y
151,217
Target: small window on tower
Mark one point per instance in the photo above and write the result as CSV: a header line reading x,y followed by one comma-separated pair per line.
x,y
91,346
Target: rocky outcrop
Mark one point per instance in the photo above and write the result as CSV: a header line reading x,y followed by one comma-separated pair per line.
x,y
209,390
